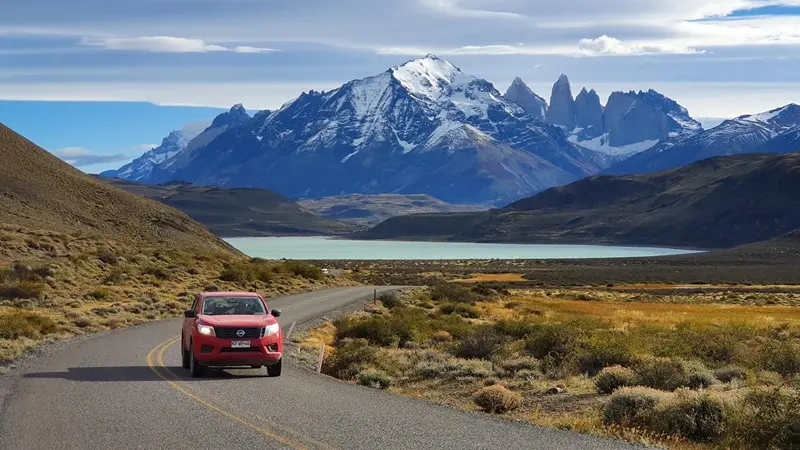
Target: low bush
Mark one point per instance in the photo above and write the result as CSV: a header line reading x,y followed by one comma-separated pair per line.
x,y
552,340
26,324
23,290
631,407
766,418
99,294
302,269
697,416
462,309
248,272
374,379
159,272
442,336
481,345
108,257
612,378
729,373
391,300
453,293
524,363
350,358
497,399
782,357
604,349
439,365
666,374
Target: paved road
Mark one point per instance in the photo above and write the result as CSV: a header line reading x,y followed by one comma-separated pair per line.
x,y
126,390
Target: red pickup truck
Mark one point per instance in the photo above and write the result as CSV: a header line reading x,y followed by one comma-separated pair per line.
x,y
231,329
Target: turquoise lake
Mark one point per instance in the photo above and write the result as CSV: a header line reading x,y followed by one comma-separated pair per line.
x,y
315,248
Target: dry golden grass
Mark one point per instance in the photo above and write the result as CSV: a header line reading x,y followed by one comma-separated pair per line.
x,y
593,325
492,277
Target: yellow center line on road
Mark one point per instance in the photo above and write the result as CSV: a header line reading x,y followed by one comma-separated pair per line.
x,y
151,362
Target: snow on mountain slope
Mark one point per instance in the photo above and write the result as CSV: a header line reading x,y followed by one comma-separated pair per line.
x,y
744,134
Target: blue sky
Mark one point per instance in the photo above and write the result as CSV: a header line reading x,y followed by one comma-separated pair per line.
x,y
91,79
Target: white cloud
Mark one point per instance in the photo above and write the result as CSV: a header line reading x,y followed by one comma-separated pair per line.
x,y
81,157
166,44
606,45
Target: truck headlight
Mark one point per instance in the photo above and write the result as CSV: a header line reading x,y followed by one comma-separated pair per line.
x,y
205,330
269,330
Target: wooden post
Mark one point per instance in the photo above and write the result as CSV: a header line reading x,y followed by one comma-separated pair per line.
x,y
289,334
375,297
321,357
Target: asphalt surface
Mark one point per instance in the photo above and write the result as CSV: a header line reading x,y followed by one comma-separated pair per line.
x,y
126,390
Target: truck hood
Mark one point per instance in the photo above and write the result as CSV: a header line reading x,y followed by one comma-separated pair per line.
x,y
234,320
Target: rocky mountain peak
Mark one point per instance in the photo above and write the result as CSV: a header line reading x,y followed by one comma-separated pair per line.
x,y
235,116
562,104
522,95
589,113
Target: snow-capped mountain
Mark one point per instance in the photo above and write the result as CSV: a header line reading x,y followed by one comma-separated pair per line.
x,y
529,101
629,123
420,127
176,149
772,131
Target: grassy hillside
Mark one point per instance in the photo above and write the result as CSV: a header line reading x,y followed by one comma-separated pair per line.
x,y
233,212
370,210
79,256
715,203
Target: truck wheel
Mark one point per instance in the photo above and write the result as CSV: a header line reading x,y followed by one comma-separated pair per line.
x,y
274,370
184,356
195,369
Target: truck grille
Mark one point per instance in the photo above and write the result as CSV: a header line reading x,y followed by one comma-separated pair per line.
x,y
230,332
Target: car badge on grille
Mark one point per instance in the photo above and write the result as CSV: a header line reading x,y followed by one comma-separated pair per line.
x,y
240,333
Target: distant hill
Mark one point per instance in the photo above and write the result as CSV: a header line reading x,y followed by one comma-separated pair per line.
x,y
231,212
38,191
370,210
718,202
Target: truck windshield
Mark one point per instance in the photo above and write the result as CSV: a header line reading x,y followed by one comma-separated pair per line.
x,y
217,306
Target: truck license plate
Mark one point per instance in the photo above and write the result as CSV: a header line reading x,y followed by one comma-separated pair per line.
x,y
240,344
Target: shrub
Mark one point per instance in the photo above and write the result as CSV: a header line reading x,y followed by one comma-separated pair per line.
x,y
697,416
516,365
497,399
666,374
23,289
26,324
158,272
462,309
391,300
453,293
613,378
482,344
108,257
248,272
516,328
374,378
766,418
631,406
302,269
99,294
781,356
349,359
729,373
700,379
604,349
439,365
554,340
442,336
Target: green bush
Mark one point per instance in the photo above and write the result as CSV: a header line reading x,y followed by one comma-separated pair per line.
x,y
99,294
453,293
666,374
376,330
525,363
604,349
729,373
439,365
374,378
766,418
302,269
462,309
480,345
552,340
23,290
697,416
350,358
26,324
391,300
497,399
159,272
781,356
248,272
631,407
516,328
108,257
612,378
